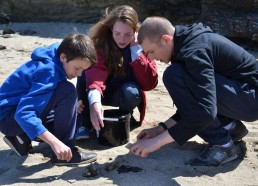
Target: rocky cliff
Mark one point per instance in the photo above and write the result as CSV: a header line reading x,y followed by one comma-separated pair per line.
x,y
232,18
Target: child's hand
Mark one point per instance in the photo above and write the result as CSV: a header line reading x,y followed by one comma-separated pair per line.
x,y
80,107
96,115
62,151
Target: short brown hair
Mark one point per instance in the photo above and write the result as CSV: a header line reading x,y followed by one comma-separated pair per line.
x,y
78,46
153,28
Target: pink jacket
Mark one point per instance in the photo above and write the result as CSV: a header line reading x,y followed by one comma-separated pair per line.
x,y
144,70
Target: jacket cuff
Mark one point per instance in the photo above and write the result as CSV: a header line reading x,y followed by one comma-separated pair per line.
x,y
94,96
136,50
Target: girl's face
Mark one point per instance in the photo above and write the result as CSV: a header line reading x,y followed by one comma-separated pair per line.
x,y
123,34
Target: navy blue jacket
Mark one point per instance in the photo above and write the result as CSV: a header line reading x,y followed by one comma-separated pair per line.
x,y
204,53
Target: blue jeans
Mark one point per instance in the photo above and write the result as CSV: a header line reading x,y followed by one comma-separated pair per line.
x,y
126,96
59,117
235,101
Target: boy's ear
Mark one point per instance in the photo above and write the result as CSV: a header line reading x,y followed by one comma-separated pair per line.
x,y
63,58
167,38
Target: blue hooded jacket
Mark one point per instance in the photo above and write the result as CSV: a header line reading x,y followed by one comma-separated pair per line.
x,y
29,88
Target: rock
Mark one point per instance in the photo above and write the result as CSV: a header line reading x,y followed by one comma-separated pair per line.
x,y
4,19
2,47
8,31
28,32
231,18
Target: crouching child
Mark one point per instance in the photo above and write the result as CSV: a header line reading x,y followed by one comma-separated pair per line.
x,y
37,101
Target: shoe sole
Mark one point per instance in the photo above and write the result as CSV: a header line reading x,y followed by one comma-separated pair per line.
x,y
240,136
11,146
229,159
79,163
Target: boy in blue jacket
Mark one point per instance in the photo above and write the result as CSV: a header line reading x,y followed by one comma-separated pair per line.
x,y
213,83
37,101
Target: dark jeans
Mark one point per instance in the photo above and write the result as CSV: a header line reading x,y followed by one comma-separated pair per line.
x,y
235,101
59,117
126,97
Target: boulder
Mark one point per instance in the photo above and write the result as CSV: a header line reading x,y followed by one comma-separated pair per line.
x,y
231,18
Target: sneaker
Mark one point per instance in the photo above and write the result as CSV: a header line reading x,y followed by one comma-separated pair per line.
x,y
78,158
237,131
82,133
215,155
21,145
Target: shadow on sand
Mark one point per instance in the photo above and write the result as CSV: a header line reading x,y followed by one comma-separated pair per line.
x,y
159,168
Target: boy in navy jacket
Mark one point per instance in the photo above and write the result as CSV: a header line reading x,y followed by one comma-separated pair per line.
x,y
212,81
37,101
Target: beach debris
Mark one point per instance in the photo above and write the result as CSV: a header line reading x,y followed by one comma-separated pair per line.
x,y
90,171
111,166
2,47
127,168
71,181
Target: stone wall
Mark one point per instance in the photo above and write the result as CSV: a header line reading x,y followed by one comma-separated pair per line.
x,y
232,18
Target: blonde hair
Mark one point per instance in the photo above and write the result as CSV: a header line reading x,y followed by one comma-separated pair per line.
x,y
101,34
153,28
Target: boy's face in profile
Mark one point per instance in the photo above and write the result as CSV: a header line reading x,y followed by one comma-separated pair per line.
x,y
74,67
160,50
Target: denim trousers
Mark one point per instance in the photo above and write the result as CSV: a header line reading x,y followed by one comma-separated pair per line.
x,y
235,101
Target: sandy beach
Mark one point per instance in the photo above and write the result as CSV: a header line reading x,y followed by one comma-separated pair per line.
x,y
164,167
